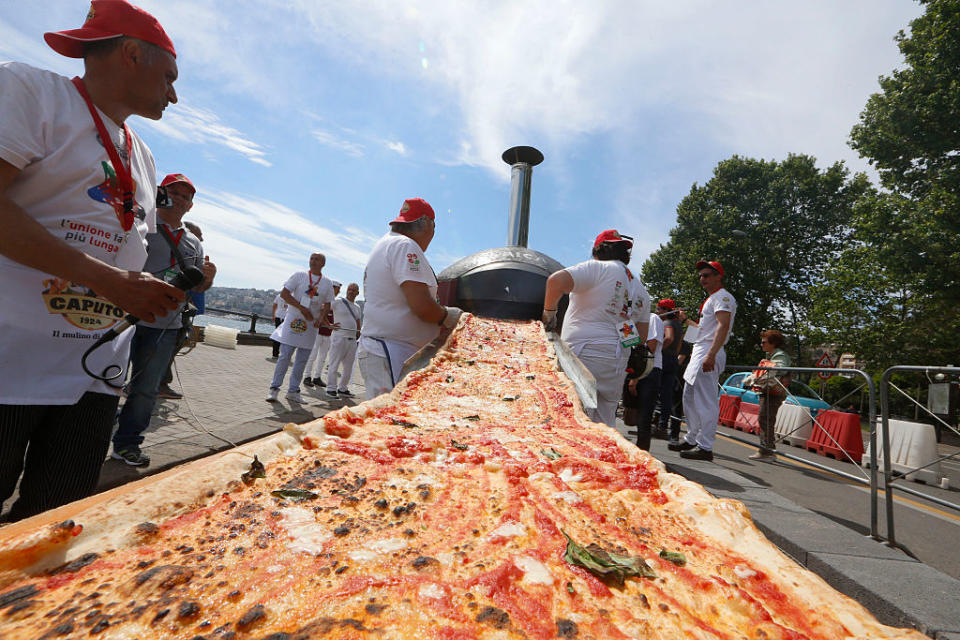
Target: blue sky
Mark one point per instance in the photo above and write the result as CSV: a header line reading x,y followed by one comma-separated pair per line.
x,y
305,124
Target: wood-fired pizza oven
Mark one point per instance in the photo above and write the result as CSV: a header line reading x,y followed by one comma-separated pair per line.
x,y
507,282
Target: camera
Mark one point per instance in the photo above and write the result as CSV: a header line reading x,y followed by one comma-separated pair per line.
x,y
163,198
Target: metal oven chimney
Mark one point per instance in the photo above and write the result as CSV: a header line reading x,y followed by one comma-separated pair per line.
x,y
522,160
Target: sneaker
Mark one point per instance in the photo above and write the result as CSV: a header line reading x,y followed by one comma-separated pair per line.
x,y
308,381
272,397
294,396
319,382
345,393
132,456
271,358
697,454
681,445
764,455
166,392
331,393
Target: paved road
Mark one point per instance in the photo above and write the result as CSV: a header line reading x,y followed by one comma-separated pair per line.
x,y
923,529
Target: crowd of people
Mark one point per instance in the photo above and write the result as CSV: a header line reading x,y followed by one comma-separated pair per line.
x,y
99,244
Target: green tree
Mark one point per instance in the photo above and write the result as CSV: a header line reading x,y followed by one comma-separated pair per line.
x,y
774,226
910,132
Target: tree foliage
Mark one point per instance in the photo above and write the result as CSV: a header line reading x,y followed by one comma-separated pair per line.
x,y
774,226
910,132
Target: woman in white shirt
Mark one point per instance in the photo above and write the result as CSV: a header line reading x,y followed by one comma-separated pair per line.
x,y
609,311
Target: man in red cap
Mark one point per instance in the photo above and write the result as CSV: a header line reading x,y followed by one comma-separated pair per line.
x,y
401,313
170,251
78,213
701,404
609,313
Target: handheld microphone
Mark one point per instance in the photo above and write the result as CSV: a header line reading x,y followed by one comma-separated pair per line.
x,y
186,280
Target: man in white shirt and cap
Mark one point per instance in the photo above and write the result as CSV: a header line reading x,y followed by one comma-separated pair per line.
x,y
308,295
701,402
348,320
321,346
401,314
77,212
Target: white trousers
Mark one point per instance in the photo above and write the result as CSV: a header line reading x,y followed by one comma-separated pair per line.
x,y
701,404
376,373
608,364
343,351
319,353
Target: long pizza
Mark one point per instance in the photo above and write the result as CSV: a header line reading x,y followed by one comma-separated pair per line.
x,y
476,501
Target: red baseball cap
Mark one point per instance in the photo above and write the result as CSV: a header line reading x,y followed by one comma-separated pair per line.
x,y
713,264
668,304
413,209
611,235
178,177
110,19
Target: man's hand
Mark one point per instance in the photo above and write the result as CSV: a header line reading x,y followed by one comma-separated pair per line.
x,y
306,314
549,319
141,294
681,316
209,270
632,386
710,362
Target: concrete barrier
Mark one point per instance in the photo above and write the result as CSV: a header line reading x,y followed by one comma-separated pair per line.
x,y
912,445
794,424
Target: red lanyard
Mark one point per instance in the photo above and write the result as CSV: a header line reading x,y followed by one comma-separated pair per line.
x,y
175,239
124,179
312,289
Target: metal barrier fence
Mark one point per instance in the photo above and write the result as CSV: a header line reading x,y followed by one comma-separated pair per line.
x,y
871,479
254,318
889,481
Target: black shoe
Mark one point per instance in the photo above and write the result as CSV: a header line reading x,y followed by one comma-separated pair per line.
x,y
331,393
308,381
319,382
697,454
345,394
659,434
681,445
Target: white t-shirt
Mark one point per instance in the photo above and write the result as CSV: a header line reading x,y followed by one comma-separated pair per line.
x,y
311,291
605,292
281,307
396,259
67,184
342,315
719,300
655,332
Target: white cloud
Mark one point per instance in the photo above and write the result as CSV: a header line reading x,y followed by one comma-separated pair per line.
x,y
396,146
257,242
200,126
333,141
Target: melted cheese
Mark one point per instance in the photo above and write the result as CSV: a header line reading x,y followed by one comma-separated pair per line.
x,y
306,534
534,571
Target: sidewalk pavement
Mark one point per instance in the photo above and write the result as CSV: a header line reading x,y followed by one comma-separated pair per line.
x,y
223,402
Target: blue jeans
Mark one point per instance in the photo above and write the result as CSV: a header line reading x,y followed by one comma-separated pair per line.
x,y
150,353
283,362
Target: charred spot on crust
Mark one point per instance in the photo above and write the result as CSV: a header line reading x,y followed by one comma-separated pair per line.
x,y
63,628
254,614
644,601
165,576
188,609
375,609
76,565
404,509
567,628
341,531
147,529
381,503
160,615
102,624
425,562
497,618
11,597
